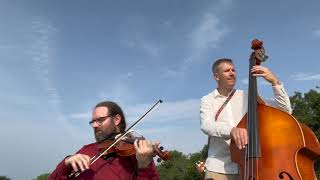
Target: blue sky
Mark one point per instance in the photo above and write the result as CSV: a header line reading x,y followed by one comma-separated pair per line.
x,y
59,58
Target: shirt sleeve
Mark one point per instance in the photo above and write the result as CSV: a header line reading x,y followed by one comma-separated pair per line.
x,y
281,99
61,172
208,125
149,173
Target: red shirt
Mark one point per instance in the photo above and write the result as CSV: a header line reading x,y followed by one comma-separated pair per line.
x,y
114,168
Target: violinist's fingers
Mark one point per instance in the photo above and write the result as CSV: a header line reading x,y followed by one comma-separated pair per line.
x,y
144,153
135,144
142,143
80,165
143,146
85,161
157,143
74,166
78,161
147,145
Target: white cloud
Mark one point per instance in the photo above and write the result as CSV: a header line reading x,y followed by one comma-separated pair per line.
x,y
305,76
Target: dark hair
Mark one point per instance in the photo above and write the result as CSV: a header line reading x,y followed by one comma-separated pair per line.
x,y
217,63
114,109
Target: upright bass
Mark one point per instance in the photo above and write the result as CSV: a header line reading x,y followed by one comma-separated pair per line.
x,y
279,146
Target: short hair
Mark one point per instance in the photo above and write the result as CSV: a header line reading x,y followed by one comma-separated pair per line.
x,y
217,63
114,109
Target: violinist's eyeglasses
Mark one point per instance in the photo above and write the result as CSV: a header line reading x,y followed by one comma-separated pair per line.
x,y
99,120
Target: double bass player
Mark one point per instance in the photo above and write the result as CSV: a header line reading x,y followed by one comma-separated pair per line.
x,y
223,108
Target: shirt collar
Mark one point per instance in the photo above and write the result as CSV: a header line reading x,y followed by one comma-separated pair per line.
x,y
217,94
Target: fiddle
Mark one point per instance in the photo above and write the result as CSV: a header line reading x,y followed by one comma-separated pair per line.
x,y
125,147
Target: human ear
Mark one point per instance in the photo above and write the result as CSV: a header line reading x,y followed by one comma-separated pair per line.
x,y
117,119
216,76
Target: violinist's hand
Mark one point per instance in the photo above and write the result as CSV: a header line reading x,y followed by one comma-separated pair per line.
x,y
78,160
240,137
264,72
144,152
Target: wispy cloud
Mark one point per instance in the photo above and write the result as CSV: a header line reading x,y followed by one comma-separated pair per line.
x,y
144,44
120,90
42,52
305,76
317,33
172,111
208,33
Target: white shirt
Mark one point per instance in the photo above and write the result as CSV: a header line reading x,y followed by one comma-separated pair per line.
x,y
219,131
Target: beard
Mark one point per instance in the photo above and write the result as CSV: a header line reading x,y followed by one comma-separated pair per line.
x,y
102,135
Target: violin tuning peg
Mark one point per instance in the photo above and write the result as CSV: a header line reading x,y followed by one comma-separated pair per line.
x,y
161,148
158,160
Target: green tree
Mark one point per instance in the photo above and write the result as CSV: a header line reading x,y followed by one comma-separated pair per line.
x,y
182,166
179,167
306,109
4,178
43,176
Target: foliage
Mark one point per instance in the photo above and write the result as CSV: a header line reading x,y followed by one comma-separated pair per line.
x,y
181,166
317,168
43,176
4,178
306,109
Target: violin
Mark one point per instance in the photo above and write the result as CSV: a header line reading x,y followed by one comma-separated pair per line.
x,y
125,147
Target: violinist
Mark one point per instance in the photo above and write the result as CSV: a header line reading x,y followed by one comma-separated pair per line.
x,y
107,121
221,111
